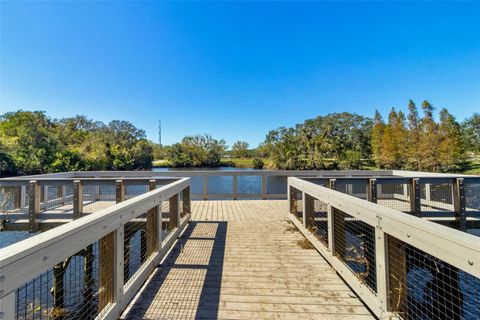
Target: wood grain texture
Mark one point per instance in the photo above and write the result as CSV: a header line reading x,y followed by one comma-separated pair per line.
x,y
241,260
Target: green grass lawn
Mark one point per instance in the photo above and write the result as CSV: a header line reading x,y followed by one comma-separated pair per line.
x,y
474,168
236,162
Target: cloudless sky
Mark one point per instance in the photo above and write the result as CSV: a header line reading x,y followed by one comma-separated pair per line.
x,y
236,70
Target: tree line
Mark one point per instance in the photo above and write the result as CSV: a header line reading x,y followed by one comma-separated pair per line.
x,y
351,141
31,143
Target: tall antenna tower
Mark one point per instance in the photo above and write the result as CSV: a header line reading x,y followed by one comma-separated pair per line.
x,y
160,132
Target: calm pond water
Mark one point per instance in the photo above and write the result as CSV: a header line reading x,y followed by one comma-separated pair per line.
x,y
224,184
216,185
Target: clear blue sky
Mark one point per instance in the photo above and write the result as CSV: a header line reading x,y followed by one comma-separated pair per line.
x,y
236,70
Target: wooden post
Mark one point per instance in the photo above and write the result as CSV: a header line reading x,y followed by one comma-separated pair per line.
x,y
415,205
372,190
381,267
338,232
304,210
34,206
397,274
187,205
173,214
205,187
235,187
264,187
106,272
151,226
119,267
330,222
459,203
77,199
7,306
293,200
120,191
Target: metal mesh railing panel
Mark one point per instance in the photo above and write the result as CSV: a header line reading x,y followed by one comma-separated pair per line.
x,y
56,198
436,197
395,196
354,244
135,189
135,245
355,187
98,196
73,289
316,219
427,288
472,197
13,199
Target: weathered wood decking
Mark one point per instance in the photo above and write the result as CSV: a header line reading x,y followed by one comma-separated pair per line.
x,y
241,260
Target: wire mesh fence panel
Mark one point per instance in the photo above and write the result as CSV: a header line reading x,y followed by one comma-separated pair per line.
x,y
296,203
276,185
56,198
72,289
354,187
424,287
219,185
97,195
472,198
394,195
354,244
316,220
133,189
135,245
13,199
436,197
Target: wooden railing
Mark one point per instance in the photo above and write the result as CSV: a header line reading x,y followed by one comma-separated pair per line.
x,y
400,265
96,263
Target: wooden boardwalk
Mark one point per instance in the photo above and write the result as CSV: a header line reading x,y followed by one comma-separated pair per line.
x,y
242,260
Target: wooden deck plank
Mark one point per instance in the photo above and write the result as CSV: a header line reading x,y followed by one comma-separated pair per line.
x,y
241,260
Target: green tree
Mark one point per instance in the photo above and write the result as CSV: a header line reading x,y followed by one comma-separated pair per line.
x,y
413,142
471,133
197,151
429,140
451,147
378,131
240,149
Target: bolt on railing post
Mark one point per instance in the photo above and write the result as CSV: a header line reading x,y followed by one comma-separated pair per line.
x,y
119,267
205,187
77,199
33,206
459,203
235,187
264,186
415,205
381,268
7,306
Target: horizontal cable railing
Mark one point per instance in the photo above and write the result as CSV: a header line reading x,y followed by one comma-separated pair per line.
x,y
91,267
400,265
